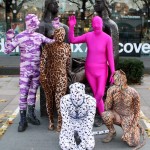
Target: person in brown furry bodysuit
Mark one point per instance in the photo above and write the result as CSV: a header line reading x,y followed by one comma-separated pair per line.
x,y
122,107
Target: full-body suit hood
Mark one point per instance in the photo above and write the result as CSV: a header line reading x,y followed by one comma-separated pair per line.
x,y
59,35
120,79
32,22
77,93
97,24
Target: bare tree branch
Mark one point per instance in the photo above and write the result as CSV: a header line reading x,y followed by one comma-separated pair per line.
x,y
72,1
91,2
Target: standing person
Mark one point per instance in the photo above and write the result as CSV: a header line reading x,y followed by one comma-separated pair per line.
x,y
47,27
99,56
54,79
29,43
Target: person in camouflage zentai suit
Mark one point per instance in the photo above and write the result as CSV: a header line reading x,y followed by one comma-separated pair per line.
x,y
29,43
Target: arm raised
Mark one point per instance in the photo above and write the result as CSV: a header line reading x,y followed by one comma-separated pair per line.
x,y
11,41
72,38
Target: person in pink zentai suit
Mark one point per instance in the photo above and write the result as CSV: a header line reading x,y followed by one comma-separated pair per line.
x,y
99,56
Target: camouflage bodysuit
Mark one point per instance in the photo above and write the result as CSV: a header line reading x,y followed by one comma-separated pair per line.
x,y
122,107
29,43
53,75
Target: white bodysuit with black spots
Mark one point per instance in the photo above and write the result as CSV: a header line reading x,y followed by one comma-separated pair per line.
x,y
78,111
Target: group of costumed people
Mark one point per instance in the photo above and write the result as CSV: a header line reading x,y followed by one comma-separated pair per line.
x,y
77,109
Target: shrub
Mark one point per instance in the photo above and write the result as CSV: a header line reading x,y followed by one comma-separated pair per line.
x,y
133,68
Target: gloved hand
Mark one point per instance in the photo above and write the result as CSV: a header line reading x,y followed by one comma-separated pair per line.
x,y
111,80
10,34
72,21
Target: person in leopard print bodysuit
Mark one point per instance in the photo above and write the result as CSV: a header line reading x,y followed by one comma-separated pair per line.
x,y
78,111
122,107
53,74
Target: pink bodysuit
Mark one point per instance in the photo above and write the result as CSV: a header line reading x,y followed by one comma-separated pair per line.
x,y
99,56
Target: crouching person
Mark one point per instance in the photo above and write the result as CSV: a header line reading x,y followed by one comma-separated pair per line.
x,y
122,107
78,111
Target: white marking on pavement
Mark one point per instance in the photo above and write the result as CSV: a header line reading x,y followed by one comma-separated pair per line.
x,y
146,123
11,118
9,121
100,132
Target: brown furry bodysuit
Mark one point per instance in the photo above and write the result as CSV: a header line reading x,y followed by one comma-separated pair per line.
x,y
122,108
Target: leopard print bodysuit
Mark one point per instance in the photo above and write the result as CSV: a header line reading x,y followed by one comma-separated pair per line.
x,y
122,107
55,64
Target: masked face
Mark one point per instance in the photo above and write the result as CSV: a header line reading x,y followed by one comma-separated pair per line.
x,y
120,78
32,22
77,91
97,24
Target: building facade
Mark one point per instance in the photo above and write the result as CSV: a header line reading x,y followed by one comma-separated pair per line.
x,y
132,18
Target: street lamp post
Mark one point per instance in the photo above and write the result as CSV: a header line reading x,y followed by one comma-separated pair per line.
x,y
7,14
142,24
24,13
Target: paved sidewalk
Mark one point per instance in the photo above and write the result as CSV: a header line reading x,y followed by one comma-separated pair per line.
x,y
38,137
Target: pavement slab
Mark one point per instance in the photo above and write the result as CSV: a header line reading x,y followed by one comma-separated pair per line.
x,y
40,138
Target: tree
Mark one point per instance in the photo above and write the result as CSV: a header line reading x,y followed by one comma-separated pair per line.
x,y
1,4
13,7
83,6
146,4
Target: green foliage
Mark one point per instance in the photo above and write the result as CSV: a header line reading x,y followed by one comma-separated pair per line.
x,y
133,68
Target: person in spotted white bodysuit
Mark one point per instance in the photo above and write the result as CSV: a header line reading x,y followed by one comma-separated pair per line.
x,y
78,111
29,43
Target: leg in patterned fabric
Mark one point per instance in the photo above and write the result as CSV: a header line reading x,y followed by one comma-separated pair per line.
x,y
66,139
60,92
24,89
50,106
108,118
31,117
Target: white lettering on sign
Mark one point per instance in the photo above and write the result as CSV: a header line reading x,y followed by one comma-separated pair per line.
x,y
132,17
80,48
2,47
130,47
